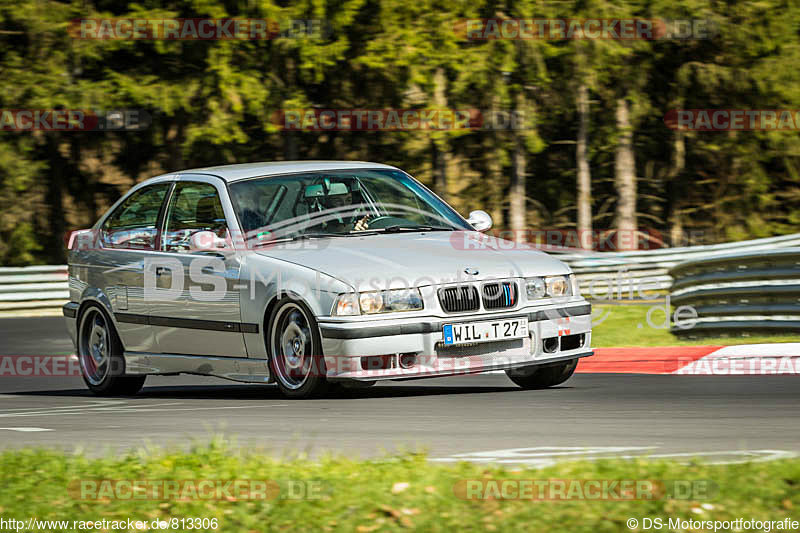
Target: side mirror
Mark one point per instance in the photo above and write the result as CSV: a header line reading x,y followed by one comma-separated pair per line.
x,y
207,241
480,220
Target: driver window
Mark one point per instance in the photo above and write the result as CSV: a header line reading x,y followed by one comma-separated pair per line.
x,y
194,207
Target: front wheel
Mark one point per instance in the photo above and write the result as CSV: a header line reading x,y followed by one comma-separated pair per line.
x,y
100,356
541,377
295,351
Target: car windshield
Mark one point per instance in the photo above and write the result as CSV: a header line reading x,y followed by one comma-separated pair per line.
x,y
338,203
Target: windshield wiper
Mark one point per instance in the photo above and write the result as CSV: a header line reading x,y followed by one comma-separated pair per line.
x,y
397,228
301,236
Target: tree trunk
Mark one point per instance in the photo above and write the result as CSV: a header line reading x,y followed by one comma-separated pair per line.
x,y
54,197
495,182
174,135
289,146
494,167
517,190
439,157
625,180
674,196
440,150
584,222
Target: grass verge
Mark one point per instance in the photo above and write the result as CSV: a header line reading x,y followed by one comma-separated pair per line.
x,y
393,494
627,325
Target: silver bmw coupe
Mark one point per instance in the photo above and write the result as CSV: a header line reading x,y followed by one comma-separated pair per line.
x,y
312,275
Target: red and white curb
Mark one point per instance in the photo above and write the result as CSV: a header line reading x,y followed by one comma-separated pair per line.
x,y
745,359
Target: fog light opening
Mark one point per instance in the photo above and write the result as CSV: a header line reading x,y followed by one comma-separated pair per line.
x,y
378,362
573,342
550,344
407,360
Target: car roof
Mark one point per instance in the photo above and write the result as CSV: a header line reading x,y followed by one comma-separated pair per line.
x,y
251,170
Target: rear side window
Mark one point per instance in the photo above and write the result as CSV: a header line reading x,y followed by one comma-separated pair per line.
x,y
134,223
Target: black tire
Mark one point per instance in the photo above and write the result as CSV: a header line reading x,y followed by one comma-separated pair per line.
x,y
100,354
541,377
294,346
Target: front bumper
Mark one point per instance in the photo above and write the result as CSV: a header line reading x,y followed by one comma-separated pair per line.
x,y
369,350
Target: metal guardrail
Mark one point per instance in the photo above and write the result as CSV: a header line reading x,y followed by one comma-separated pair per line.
x,y
651,268
743,293
679,254
595,281
34,287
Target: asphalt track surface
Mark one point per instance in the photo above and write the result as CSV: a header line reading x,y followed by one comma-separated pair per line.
x,y
479,418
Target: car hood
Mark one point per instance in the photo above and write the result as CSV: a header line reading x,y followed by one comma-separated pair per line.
x,y
416,259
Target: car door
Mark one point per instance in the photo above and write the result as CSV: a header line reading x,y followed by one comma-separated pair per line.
x,y
127,236
194,309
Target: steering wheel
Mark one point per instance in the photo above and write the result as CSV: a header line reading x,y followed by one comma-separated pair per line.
x,y
384,221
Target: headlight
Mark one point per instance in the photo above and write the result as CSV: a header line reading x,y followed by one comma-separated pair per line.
x,y
535,288
390,301
557,286
379,302
551,286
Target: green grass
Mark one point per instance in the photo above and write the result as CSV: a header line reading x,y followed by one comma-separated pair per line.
x,y
392,494
627,325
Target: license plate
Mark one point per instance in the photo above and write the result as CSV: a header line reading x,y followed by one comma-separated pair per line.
x,y
489,331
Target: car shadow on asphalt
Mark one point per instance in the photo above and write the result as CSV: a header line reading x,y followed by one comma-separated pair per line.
x,y
271,392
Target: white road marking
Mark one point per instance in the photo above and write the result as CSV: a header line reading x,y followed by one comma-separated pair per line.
x,y
95,402
744,456
545,456
541,456
116,407
27,430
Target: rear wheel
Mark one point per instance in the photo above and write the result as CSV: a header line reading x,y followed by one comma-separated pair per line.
x,y
296,358
541,377
100,356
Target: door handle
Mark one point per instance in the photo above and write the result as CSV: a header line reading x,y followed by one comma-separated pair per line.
x,y
208,253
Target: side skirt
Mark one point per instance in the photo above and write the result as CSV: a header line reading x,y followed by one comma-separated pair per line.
x,y
233,368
